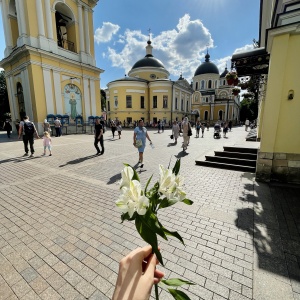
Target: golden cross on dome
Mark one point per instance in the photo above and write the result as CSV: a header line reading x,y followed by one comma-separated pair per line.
x,y
149,30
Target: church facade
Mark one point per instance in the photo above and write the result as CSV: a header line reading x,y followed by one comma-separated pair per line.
x,y
49,59
147,93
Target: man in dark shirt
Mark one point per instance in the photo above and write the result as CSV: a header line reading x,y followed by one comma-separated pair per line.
x,y
98,137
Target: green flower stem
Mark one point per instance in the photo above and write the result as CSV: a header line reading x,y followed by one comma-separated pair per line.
x,y
156,292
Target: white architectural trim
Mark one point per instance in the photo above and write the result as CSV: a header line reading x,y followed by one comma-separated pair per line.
x,y
87,31
26,93
7,32
80,25
160,91
48,91
127,84
86,98
40,17
12,98
58,93
21,17
93,97
49,19
135,91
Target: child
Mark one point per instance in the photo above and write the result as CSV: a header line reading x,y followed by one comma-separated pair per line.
x,y
119,128
47,142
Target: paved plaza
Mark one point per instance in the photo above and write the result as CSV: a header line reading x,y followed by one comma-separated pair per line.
x,y
61,235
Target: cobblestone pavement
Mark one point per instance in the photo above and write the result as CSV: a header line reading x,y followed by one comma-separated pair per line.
x,y
61,236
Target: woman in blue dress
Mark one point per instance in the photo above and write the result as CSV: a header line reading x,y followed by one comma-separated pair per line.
x,y
139,140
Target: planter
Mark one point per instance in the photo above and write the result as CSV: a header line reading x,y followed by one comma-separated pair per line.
x,y
230,81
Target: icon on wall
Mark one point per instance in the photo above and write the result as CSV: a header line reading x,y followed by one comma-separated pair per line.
x,y
72,99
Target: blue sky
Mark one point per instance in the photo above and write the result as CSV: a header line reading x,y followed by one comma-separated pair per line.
x,y
181,31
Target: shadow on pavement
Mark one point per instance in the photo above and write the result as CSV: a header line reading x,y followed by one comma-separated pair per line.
x,y
274,223
172,144
79,160
181,154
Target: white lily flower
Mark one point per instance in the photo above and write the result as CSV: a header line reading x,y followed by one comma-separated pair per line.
x,y
170,185
132,200
127,174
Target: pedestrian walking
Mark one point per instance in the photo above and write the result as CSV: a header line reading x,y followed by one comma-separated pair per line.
x,y
27,131
162,126
7,127
175,131
57,125
47,143
230,125
186,132
158,126
198,126
140,135
225,129
207,125
46,126
98,137
202,129
247,123
119,129
113,128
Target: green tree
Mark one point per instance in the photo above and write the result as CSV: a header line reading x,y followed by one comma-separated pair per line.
x,y
249,109
103,100
4,103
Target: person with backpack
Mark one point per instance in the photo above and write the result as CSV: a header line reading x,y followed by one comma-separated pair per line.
x,y
27,130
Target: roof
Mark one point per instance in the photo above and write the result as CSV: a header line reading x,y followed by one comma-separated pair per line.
x,y
128,78
207,67
148,61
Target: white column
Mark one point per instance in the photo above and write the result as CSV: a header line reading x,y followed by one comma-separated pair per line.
x,y
80,24
48,20
7,32
26,94
21,18
86,31
93,97
87,106
40,17
57,92
12,99
48,91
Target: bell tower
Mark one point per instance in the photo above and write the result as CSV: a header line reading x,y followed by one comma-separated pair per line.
x,y
49,59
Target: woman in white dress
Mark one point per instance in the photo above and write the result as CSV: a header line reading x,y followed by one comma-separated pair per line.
x,y
175,131
185,129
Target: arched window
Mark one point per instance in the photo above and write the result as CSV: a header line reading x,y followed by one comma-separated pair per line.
x,y
196,88
202,84
206,115
21,102
209,84
65,27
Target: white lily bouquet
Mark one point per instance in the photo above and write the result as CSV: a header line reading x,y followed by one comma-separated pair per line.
x,y
142,207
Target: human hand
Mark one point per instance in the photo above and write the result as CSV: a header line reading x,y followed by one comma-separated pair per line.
x,y
137,274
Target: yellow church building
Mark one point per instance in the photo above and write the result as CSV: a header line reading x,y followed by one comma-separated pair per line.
x,y
147,93
275,65
49,59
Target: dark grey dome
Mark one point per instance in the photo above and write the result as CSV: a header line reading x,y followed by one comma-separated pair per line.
x,y
224,73
148,61
207,67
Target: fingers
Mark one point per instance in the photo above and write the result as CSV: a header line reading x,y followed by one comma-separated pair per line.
x,y
151,265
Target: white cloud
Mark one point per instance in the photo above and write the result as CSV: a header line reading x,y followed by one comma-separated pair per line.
x,y
105,33
179,49
244,48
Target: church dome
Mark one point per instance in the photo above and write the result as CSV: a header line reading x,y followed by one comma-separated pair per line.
x,y
224,73
207,67
149,60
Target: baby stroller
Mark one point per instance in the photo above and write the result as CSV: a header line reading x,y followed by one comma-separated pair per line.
x,y
217,131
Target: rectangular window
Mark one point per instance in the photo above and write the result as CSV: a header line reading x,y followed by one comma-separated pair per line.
x,y
108,106
181,104
142,102
116,101
176,103
128,102
165,101
154,101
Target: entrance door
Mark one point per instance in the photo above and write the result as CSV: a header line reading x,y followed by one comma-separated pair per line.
x,y
206,115
220,115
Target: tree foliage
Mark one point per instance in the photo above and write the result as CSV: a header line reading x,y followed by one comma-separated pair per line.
x,y
249,109
103,100
4,103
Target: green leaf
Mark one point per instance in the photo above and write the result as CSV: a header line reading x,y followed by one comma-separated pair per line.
x,y
187,201
148,236
126,217
176,282
150,219
174,234
148,183
135,174
179,295
176,167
